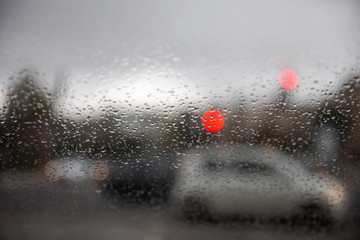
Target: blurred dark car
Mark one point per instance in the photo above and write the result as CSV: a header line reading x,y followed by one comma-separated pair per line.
x,y
146,175
352,219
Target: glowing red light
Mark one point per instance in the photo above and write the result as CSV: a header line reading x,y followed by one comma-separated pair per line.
x,y
213,120
288,78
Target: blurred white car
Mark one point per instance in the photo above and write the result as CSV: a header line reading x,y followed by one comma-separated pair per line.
x,y
218,181
76,169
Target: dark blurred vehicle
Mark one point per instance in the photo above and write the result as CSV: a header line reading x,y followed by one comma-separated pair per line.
x,y
231,180
146,175
352,219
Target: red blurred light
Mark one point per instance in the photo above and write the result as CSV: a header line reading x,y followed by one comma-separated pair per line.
x,y
288,78
213,120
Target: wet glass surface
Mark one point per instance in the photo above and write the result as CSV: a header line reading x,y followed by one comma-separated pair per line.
x,y
179,120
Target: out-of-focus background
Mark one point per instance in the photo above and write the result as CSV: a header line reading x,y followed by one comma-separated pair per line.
x,y
99,101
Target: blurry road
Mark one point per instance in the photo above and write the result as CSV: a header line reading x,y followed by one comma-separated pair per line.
x,y
33,208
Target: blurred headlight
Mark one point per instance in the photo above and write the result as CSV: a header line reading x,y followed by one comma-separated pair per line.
x,y
99,170
335,194
53,170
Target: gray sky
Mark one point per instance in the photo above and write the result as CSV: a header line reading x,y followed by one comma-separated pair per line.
x,y
164,53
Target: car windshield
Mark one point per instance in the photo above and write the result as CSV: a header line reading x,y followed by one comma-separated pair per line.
x,y
137,119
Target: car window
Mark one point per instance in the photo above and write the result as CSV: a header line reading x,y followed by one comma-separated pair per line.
x,y
179,119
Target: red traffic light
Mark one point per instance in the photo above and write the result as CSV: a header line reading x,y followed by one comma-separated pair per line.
x,y
288,78
213,120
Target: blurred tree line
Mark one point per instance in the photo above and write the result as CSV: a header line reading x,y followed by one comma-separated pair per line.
x,y
32,132
26,127
301,130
